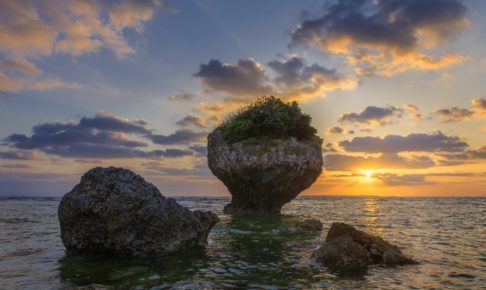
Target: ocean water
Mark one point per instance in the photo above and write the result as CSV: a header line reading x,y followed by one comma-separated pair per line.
x,y
447,236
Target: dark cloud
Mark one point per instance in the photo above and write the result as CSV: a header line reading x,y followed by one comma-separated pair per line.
x,y
329,148
183,136
341,162
112,152
335,131
245,78
297,80
201,150
385,37
110,122
456,114
478,154
453,114
294,79
192,121
436,142
105,136
372,115
49,137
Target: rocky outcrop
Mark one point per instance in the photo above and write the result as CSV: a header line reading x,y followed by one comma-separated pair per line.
x,y
349,248
311,225
263,175
116,211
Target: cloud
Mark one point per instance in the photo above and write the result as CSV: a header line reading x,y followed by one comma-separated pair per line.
x,y
296,80
413,111
104,136
30,30
342,162
181,97
456,114
20,155
201,150
293,79
372,115
392,179
478,154
453,114
49,84
211,108
329,148
198,169
435,142
183,136
133,13
385,37
21,65
111,122
479,106
18,183
245,78
192,121
335,131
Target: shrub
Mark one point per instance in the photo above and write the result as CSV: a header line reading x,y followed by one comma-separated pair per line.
x,y
271,118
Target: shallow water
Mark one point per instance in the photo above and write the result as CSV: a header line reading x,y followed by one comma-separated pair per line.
x,y
446,235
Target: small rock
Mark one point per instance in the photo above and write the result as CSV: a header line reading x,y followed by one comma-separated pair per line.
x,y
309,225
116,211
347,247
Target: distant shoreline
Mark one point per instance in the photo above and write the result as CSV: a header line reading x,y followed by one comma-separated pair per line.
x,y
20,197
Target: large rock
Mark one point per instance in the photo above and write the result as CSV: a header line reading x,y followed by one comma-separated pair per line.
x,y
115,210
263,175
349,248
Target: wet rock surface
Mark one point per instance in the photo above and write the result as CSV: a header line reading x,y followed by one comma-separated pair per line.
x,y
263,175
312,225
116,211
349,248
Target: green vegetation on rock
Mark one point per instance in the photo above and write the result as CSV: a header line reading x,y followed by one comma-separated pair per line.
x,y
269,118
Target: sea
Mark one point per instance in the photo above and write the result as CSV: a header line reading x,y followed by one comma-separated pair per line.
x,y
447,236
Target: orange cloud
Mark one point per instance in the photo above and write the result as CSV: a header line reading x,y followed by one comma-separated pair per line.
x,y
377,38
32,29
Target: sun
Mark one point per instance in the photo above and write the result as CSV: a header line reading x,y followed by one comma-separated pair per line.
x,y
368,173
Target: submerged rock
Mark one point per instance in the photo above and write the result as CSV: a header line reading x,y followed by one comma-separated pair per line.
x,y
263,175
348,248
90,287
309,225
116,211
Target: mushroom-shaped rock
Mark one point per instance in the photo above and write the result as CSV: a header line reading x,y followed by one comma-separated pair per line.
x,y
262,176
265,154
349,248
116,211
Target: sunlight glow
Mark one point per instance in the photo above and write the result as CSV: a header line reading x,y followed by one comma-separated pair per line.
x,y
368,173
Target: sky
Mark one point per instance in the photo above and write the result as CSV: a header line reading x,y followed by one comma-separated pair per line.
x,y
395,88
